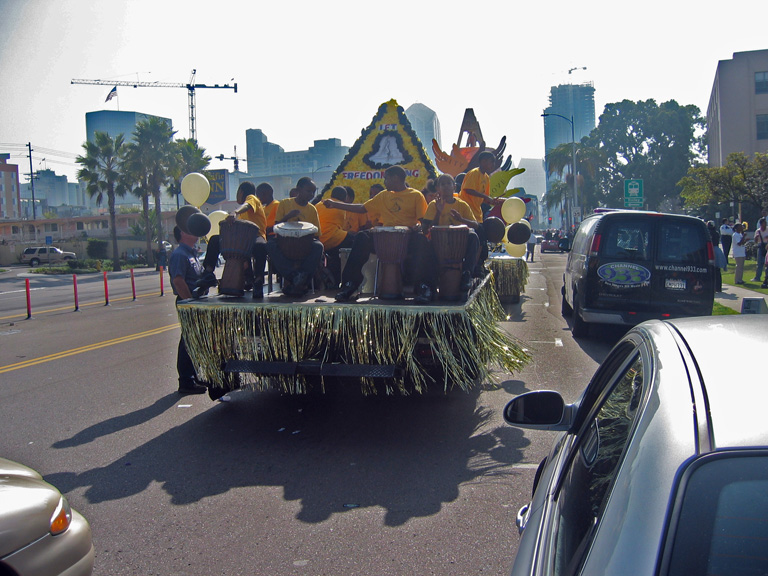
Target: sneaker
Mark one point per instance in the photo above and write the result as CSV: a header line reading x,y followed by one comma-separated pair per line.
x,y
192,388
755,280
740,282
466,281
424,293
347,290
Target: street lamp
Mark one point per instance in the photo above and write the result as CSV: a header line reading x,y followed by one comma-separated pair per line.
x,y
573,155
318,170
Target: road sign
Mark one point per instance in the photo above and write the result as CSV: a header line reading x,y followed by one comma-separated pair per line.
x,y
49,240
633,194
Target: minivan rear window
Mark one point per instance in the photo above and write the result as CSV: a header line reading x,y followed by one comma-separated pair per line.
x,y
627,240
682,242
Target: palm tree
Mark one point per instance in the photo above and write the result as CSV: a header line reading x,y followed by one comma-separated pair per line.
x,y
101,167
154,151
189,158
135,180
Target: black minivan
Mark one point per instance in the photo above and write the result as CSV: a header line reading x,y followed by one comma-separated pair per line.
x,y
625,267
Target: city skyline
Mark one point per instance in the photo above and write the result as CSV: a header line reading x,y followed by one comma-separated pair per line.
x,y
308,71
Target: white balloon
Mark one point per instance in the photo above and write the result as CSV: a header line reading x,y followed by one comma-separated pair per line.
x,y
216,217
516,250
195,188
513,209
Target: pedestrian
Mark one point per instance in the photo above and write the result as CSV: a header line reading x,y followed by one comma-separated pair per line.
x,y
739,253
726,239
761,240
185,270
530,247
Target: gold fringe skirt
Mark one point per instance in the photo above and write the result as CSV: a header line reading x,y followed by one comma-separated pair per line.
x,y
432,345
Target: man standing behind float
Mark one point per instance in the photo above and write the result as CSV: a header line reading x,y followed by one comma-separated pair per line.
x,y
476,186
185,270
398,205
297,209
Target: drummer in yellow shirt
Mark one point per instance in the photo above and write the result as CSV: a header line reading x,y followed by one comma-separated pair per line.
x,y
297,209
476,186
249,208
335,236
398,205
266,194
447,210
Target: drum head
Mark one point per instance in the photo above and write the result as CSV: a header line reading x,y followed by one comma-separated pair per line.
x,y
295,229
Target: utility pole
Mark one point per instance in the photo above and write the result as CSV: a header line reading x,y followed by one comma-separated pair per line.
x,y
32,181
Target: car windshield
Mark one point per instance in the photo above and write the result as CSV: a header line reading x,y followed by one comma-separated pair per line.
x,y
723,526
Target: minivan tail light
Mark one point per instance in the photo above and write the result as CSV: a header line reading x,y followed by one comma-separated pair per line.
x,y
710,253
595,248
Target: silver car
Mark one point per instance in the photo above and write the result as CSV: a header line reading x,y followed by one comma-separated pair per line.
x,y
39,533
661,467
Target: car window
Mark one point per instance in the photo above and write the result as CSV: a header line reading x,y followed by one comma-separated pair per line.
x,y
29,251
723,524
681,241
595,462
627,240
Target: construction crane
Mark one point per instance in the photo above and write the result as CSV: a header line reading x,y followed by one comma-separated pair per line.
x,y
190,86
235,158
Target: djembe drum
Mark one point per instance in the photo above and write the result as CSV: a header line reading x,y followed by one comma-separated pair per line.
x,y
295,239
236,239
391,246
450,245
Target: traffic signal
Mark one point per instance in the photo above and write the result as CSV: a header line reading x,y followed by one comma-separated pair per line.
x,y
550,219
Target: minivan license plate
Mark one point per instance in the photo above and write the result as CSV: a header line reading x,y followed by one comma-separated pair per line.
x,y
674,284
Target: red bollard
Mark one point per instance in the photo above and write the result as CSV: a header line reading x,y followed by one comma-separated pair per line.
x,y
29,299
161,280
106,290
74,283
133,285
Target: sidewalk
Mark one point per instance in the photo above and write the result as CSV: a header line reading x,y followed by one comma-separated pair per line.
x,y
731,296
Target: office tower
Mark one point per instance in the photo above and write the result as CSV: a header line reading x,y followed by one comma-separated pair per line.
x,y
737,115
426,125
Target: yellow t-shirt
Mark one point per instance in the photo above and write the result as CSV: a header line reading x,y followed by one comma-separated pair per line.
x,y
332,224
255,214
404,208
355,221
270,211
480,182
307,213
446,218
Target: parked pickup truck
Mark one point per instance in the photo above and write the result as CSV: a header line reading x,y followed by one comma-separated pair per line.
x,y
44,255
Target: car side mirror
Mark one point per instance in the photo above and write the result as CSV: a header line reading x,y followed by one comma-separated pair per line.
x,y
540,410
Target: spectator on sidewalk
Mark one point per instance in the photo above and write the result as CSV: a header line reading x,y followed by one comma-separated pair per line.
x,y
739,253
726,239
761,240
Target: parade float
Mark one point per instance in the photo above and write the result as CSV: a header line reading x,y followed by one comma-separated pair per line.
x,y
294,344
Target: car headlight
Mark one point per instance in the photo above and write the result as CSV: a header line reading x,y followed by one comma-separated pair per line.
x,y
61,518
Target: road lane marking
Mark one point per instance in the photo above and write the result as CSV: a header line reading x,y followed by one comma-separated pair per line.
x,y
81,305
88,348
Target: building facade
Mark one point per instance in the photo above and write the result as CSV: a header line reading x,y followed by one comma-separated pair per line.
x,y
10,194
737,115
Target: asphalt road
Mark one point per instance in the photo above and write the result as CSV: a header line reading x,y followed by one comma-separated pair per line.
x,y
268,484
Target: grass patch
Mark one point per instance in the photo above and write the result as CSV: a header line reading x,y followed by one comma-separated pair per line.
x,y
749,272
720,310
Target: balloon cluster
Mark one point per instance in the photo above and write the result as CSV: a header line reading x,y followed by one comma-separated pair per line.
x,y
515,235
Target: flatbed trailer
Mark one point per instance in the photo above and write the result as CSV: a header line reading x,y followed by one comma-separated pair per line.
x,y
391,346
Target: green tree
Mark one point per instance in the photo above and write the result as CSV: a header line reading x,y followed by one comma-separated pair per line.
x,y
657,143
743,180
154,155
135,178
101,166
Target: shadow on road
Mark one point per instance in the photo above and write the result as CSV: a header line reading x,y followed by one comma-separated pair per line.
x,y
332,453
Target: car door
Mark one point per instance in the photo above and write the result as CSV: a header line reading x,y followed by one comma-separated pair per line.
x,y
579,491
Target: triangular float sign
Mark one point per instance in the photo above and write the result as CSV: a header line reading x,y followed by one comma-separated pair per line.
x,y
388,141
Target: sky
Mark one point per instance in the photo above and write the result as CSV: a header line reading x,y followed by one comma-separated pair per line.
x,y
312,70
